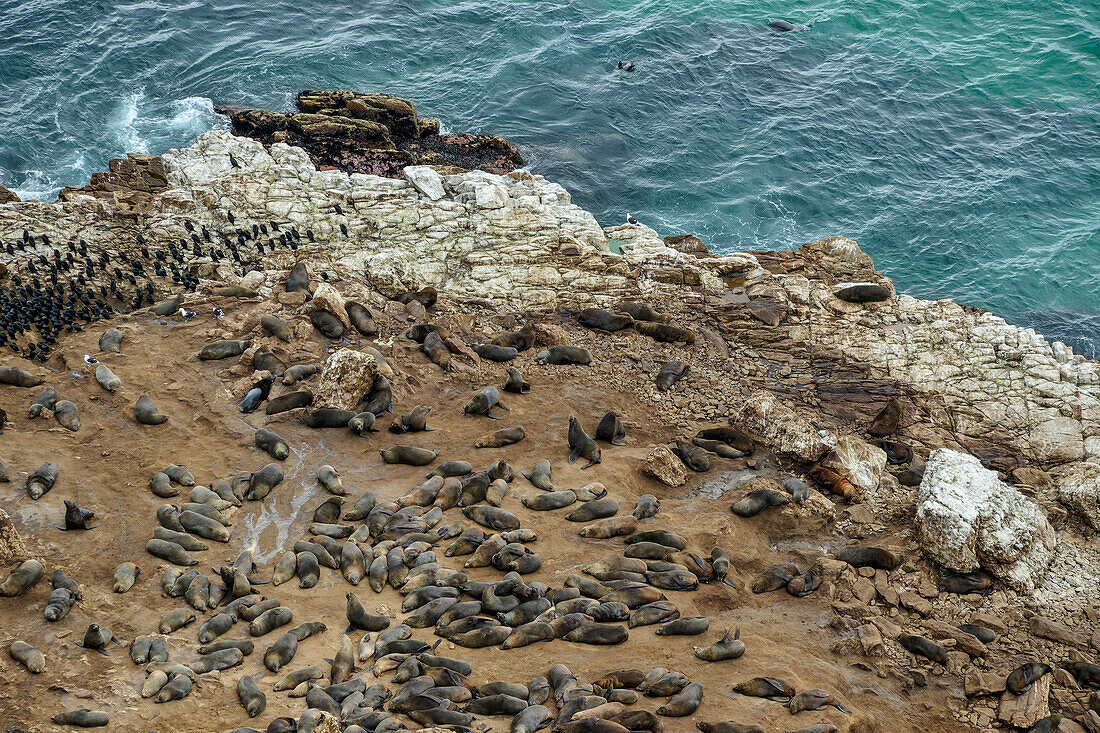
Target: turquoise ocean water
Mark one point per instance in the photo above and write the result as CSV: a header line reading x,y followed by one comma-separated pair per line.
x,y
957,141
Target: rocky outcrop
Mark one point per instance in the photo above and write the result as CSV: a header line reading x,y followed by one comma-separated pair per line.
x,y
662,464
968,519
379,134
1078,488
783,430
12,548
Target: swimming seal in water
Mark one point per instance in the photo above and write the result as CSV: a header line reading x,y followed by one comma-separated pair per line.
x,y
814,700
611,429
581,445
785,26
683,703
289,401
502,437
515,382
483,403
147,413
1020,679
887,420
413,422
111,341
107,379
223,349
757,501
408,455
272,444
67,415
603,320
76,517
564,355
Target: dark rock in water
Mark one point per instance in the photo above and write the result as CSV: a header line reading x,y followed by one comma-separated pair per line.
x,y
864,293
378,134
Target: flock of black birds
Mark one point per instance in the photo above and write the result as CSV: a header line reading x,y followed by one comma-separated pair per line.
x,y
63,289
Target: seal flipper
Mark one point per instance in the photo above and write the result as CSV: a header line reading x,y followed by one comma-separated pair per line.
x,y
841,708
489,413
574,455
590,464
104,652
618,442
502,406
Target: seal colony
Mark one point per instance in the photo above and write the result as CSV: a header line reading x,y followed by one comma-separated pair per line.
x,y
246,549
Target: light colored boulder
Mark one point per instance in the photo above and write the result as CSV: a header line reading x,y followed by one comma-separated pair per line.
x,y
491,196
327,298
347,376
782,429
1078,487
425,180
11,544
662,464
967,519
1057,440
858,461
392,273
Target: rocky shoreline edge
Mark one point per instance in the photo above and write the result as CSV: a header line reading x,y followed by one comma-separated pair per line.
x,y
987,464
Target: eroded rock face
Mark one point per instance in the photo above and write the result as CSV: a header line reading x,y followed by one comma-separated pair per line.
x,y
1078,488
967,519
347,376
782,429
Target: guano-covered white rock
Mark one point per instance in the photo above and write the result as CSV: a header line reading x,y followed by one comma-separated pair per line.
x,y
967,519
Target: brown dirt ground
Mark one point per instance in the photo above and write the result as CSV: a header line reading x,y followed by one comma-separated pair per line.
x,y
107,464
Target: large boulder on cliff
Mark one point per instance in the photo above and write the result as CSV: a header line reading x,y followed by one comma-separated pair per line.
x,y
782,429
1078,489
967,519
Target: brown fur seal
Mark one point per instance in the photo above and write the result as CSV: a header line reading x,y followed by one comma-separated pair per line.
x,y
1020,679
327,417
147,413
833,482
923,647
76,517
963,583
68,416
413,422
693,457
596,633
610,527
299,372
771,688
814,700
515,382
361,318
896,453
107,379
670,374
265,361
611,429
289,401
648,505
28,656
252,700
408,455
492,352
520,340
718,448
886,421
500,438
327,323
664,332
46,399
564,355
272,444
111,341
724,648
684,626
582,445
170,551
772,579
602,320
223,349
683,703
276,327
874,557
540,475
729,727
806,583
82,718
16,377
483,403
757,501
22,578
263,481
595,509
641,312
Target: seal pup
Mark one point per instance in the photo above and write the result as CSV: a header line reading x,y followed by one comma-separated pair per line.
x,y
96,637
729,727
692,456
540,475
67,415
581,444
46,399
611,429
275,326
147,413
603,320
670,374
42,480
887,420
502,437
926,648
413,422
82,718
257,394
107,379
31,658
1021,679
564,355
408,455
757,501
76,517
